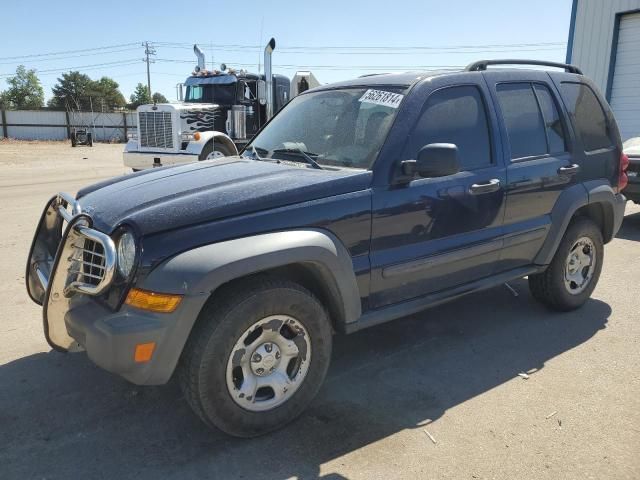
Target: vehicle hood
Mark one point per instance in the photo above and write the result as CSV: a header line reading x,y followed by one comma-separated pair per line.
x,y
167,198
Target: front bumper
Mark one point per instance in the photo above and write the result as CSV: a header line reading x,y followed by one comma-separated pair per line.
x,y
110,338
145,160
74,319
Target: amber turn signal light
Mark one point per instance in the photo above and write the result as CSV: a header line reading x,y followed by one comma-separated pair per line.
x,y
152,301
196,136
144,352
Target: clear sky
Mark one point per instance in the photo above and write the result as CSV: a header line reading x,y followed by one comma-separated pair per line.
x,y
335,39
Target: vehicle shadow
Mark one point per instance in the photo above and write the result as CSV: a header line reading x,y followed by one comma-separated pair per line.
x,y
61,417
630,229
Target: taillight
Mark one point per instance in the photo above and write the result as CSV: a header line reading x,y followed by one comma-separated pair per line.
x,y
623,180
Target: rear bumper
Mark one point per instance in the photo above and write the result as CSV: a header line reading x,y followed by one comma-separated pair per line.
x,y
618,212
144,160
110,338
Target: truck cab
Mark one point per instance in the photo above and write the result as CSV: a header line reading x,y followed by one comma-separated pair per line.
x,y
217,114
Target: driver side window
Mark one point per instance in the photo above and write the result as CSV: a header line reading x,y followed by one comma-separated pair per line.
x,y
454,115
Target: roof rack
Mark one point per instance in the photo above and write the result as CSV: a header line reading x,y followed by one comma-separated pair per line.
x,y
482,65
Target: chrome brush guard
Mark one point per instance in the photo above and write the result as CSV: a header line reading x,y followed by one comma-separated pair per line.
x,y
67,257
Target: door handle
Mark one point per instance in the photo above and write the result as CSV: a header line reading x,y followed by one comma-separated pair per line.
x,y
492,185
569,170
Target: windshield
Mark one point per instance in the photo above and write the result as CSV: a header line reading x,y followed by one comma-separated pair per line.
x,y
212,93
342,128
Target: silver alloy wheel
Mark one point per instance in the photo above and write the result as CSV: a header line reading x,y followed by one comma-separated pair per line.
x,y
268,363
580,265
215,154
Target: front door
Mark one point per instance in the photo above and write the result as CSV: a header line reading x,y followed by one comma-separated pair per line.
x,y
431,234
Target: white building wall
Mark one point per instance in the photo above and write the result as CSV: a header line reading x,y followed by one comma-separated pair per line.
x,y
593,35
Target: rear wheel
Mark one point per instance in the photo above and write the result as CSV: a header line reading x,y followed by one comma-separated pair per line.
x,y
256,358
575,269
214,150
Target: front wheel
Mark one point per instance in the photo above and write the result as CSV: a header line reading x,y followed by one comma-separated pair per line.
x,y
257,357
214,150
575,269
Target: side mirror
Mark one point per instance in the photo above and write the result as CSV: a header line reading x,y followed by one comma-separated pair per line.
x,y
434,160
262,92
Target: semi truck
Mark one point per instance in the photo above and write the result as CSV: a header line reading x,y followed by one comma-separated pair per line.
x,y
217,113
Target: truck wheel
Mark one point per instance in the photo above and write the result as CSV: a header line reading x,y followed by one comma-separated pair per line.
x,y
256,357
574,271
208,152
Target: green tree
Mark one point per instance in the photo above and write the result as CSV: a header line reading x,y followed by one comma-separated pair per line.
x,y
78,91
73,90
159,98
106,90
140,96
25,91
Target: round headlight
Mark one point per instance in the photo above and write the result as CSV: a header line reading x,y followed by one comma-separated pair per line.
x,y
126,253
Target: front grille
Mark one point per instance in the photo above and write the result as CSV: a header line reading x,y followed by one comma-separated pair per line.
x,y
93,263
155,129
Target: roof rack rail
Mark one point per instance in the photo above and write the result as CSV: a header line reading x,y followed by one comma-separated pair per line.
x,y
482,65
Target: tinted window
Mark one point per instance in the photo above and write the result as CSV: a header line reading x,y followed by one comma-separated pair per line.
x,y
588,116
455,115
552,123
522,119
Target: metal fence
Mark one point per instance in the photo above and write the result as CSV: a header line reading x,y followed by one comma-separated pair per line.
x,y
54,125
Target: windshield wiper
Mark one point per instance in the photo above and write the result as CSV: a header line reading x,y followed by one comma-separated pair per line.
x,y
304,154
255,152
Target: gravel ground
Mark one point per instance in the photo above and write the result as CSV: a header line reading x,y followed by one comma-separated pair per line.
x,y
435,395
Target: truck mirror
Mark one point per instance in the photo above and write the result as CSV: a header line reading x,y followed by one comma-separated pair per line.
x,y
179,94
262,92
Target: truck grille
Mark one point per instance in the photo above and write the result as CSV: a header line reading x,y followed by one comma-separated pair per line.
x,y
155,129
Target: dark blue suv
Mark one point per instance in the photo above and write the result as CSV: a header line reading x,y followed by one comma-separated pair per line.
x,y
360,202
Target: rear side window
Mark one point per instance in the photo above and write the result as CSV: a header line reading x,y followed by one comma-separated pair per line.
x,y
552,122
523,120
587,114
455,115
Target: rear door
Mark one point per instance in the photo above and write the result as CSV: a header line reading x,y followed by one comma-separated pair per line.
x,y
540,165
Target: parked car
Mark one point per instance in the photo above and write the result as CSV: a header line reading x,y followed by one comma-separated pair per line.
x,y
359,203
632,150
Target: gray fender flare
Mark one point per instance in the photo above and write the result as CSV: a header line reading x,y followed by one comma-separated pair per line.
x,y
203,269
596,192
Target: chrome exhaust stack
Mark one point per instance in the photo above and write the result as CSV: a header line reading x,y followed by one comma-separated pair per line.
x,y
268,76
200,54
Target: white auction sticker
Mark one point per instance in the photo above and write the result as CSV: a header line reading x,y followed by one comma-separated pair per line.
x,y
380,97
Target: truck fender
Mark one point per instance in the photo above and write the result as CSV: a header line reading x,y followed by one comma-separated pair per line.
x,y
596,193
203,269
196,146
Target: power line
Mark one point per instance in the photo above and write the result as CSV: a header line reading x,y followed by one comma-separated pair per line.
x,y
81,67
331,67
369,47
69,51
102,52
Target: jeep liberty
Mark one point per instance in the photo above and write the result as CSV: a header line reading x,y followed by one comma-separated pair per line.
x,y
360,202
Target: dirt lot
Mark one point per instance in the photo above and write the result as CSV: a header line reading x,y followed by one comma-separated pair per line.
x,y
451,371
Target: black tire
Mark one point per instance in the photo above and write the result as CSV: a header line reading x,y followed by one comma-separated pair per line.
x,y
549,286
202,368
220,147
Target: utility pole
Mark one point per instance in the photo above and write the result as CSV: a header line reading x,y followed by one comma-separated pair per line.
x,y
147,52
